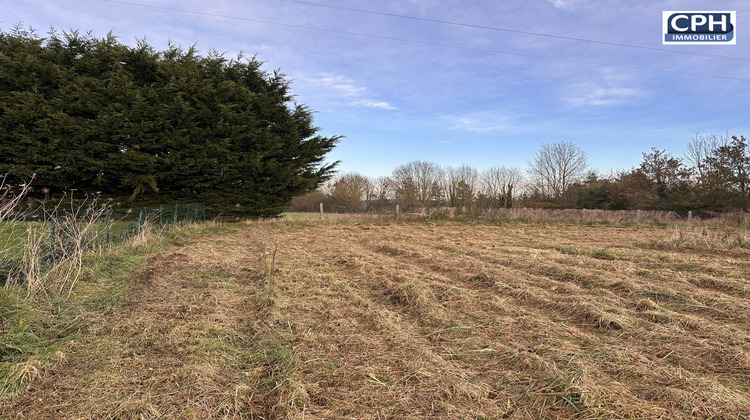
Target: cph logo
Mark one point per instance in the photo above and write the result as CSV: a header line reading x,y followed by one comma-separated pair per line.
x,y
699,27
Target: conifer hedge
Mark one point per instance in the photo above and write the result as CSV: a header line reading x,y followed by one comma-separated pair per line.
x,y
91,114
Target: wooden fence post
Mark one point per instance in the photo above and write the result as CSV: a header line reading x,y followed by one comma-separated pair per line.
x,y
321,211
397,211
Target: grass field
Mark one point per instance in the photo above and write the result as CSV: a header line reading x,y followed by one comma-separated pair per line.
x,y
375,319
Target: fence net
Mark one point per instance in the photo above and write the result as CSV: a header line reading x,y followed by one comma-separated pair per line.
x,y
44,237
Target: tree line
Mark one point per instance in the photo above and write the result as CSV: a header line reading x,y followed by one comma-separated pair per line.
x,y
93,115
713,175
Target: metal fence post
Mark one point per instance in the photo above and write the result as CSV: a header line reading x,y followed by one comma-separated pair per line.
x,y
107,216
52,240
140,223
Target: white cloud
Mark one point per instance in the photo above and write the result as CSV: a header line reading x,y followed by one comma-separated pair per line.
x,y
375,104
601,7
611,88
590,94
342,85
481,122
341,89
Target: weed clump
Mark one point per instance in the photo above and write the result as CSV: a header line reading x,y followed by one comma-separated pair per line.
x,y
410,294
646,305
483,279
392,251
603,254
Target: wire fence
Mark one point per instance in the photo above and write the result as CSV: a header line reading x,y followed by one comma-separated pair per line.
x,y
44,237
539,215
121,224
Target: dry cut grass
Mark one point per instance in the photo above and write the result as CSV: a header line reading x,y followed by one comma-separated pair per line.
x,y
305,320
523,321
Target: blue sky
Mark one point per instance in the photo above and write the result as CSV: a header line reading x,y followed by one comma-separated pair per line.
x,y
481,97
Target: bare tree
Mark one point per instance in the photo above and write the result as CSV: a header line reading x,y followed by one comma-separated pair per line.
x,y
309,202
383,190
350,189
500,184
556,167
418,183
461,185
699,148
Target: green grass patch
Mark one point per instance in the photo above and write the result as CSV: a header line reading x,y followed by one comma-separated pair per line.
x,y
603,254
566,249
392,251
34,328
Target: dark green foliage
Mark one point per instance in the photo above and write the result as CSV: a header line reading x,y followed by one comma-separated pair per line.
x,y
79,112
594,193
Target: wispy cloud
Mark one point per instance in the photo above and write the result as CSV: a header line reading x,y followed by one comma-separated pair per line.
x,y
374,104
591,94
481,122
341,84
343,89
610,88
560,4
451,95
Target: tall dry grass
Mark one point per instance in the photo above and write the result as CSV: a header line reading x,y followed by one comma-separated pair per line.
x,y
54,250
532,215
614,217
12,227
43,249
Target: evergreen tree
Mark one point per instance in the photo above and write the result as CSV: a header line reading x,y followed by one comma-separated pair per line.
x,y
95,115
